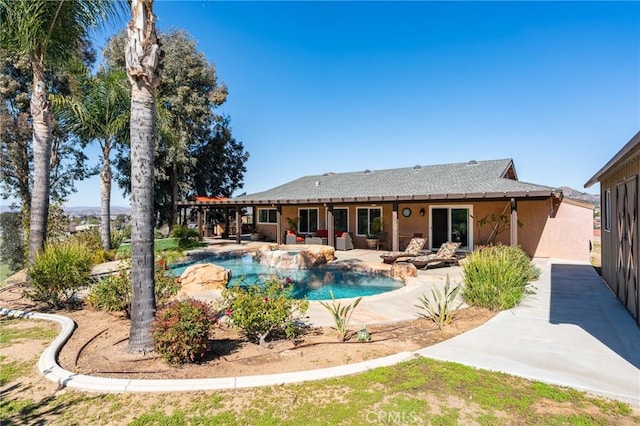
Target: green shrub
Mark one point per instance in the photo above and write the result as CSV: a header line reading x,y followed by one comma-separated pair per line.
x,y
496,277
440,310
181,330
113,293
262,309
92,240
341,314
118,236
12,238
58,272
186,236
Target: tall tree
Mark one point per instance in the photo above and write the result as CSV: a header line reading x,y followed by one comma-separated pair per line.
x,y
143,57
99,112
48,33
188,127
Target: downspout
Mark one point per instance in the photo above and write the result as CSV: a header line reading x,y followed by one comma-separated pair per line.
x,y
514,222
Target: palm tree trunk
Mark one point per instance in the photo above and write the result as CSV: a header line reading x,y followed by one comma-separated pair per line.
x,y
105,197
143,57
174,195
42,136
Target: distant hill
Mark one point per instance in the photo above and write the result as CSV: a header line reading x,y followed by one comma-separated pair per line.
x,y
579,195
78,211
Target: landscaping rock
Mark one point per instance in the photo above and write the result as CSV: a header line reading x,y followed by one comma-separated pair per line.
x,y
403,270
297,257
201,277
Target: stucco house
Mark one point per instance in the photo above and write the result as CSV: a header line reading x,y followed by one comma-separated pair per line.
x,y
619,223
444,202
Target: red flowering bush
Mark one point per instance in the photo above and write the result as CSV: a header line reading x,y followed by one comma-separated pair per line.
x,y
181,330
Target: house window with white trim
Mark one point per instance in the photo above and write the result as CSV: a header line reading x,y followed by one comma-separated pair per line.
x,y
341,219
606,210
308,222
365,218
267,216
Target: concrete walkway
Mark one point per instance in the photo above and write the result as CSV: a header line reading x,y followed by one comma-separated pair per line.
x,y
572,332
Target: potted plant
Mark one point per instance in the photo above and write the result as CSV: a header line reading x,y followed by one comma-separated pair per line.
x,y
293,225
374,231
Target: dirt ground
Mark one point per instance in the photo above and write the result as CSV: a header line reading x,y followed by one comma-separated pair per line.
x,y
98,346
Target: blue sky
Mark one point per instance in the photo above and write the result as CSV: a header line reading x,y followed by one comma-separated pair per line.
x,y
346,86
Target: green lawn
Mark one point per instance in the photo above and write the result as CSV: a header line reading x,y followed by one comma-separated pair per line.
x,y
158,245
5,272
420,391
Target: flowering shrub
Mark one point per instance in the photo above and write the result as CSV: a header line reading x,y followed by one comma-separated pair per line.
x,y
260,310
181,330
113,293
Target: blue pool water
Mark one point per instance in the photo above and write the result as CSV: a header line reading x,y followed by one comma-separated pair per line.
x,y
314,284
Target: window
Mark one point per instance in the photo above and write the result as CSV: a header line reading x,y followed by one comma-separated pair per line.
x,y
341,220
267,216
308,220
365,219
606,210
450,224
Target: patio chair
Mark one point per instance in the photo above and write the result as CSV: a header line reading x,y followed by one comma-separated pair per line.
x,y
446,256
344,242
292,238
413,249
383,240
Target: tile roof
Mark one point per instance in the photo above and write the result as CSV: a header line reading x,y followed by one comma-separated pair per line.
x,y
474,179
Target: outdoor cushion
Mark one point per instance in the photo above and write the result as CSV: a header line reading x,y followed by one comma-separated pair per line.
x,y
447,250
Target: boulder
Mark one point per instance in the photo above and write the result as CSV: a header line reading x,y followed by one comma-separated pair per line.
x,y
402,270
206,276
296,257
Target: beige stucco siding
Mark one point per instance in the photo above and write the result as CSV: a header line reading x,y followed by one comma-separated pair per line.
x,y
560,230
564,233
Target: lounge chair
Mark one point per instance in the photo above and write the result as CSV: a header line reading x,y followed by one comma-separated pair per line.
x,y
446,256
413,249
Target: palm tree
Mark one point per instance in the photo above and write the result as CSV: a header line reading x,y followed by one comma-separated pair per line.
x,y
49,33
142,54
100,112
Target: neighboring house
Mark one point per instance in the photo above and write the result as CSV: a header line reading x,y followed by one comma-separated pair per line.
x,y
619,224
442,202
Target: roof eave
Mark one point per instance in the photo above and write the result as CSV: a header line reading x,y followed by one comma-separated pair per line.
x,y
622,154
379,199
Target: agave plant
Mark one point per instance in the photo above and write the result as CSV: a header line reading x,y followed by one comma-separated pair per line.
x,y
440,310
341,314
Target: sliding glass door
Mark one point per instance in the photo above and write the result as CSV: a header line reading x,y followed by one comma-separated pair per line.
x,y
450,224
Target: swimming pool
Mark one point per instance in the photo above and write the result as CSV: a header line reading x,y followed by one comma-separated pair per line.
x,y
314,284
